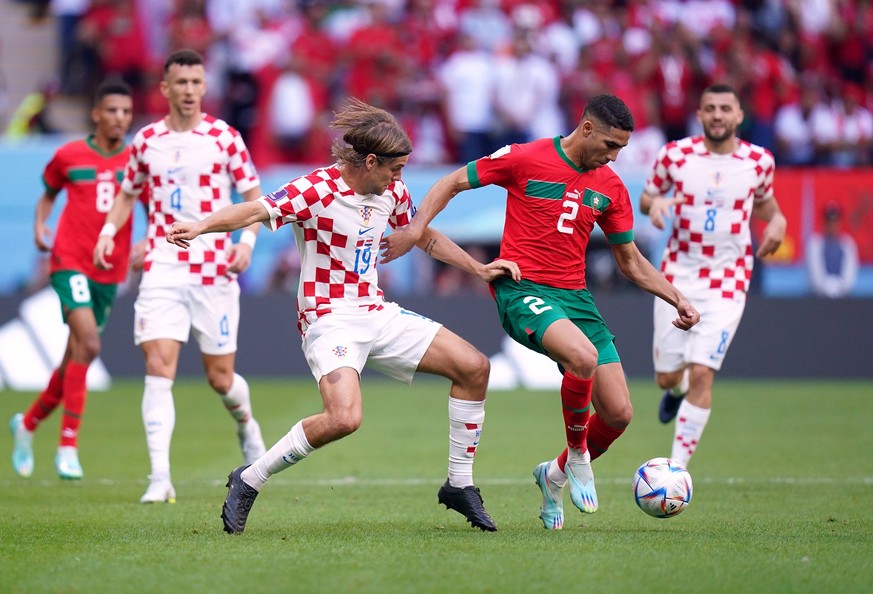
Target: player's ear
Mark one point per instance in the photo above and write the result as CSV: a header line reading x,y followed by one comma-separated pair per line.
x,y
165,89
740,116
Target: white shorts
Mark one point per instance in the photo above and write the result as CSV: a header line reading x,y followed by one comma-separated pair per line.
x,y
706,343
392,341
210,311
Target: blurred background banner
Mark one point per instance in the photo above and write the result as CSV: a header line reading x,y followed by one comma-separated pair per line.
x,y
476,219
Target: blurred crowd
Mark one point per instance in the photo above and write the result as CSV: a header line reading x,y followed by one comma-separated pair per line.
x,y
467,76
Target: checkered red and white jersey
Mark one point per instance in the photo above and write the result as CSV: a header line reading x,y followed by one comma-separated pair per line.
x,y
710,249
338,233
190,174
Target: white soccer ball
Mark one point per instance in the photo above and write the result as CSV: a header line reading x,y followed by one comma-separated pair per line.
x,y
662,487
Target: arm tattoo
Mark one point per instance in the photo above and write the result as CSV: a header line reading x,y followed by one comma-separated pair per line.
x,y
428,249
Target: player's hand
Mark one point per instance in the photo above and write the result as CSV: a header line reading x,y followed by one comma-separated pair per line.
x,y
661,209
103,251
240,256
42,236
773,236
688,315
499,268
396,245
181,234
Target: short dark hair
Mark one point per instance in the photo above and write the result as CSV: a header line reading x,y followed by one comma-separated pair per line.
x,y
113,86
611,111
183,57
721,88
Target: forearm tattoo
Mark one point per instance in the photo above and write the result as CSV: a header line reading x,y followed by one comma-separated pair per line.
x,y
431,244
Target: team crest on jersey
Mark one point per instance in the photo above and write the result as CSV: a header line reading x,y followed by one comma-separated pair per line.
x,y
595,200
340,351
366,213
106,175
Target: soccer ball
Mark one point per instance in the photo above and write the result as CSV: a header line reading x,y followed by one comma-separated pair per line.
x,y
662,488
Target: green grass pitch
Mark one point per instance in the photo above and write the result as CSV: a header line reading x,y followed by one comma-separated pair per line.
x,y
783,499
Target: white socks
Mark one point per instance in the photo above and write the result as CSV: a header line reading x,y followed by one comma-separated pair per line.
x,y
558,476
465,426
159,419
288,451
690,422
237,400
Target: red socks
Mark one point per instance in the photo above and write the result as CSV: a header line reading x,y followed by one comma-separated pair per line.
x,y
74,402
600,436
45,403
576,405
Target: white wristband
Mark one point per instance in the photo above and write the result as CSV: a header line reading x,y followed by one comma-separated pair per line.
x,y
249,238
109,229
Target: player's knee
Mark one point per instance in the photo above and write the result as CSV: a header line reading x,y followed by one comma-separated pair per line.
x,y
220,381
582,362
622,416
478,370
701,377
344,422
617,417
89,348
668,380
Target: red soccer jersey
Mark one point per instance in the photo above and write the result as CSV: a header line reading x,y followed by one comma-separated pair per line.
x,y
92,179
551,208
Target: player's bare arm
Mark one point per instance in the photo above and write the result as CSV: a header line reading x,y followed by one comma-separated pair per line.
x,y
659,208
774,232
639,270
42,233
229,218
137,255
436,199
438,246
240,255
115,219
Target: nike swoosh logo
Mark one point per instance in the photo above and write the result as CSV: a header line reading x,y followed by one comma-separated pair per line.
x,y
365,230
174,170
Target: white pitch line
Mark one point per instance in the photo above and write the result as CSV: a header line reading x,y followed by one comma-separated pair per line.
x,y
352,481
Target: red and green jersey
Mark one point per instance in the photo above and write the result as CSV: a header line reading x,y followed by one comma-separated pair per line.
x,y
92,179
551,208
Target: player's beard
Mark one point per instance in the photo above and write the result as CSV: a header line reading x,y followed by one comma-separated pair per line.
x,y
725,136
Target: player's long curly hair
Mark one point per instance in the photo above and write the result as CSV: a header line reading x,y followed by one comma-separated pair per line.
x,y
368,130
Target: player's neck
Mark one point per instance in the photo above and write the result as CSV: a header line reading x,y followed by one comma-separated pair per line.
x,y
353,178
572,151
723,147
181,123
107,145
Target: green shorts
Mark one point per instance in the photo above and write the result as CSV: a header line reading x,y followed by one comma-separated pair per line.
x,y
77,290
526,309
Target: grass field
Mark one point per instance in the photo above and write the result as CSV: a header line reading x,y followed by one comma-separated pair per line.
x,y
783,500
